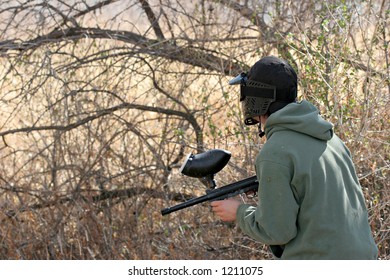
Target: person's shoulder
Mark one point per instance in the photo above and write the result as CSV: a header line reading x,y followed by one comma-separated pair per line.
x,y
282,139
277,149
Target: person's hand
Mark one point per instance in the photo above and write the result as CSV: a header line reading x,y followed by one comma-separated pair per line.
x,y
226,209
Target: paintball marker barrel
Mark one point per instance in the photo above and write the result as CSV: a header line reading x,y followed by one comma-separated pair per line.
x,y
249,184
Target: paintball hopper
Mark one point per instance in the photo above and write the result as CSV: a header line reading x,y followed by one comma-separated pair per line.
x,y
205,165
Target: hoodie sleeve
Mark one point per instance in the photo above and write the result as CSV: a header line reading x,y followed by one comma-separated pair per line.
x,y
273,221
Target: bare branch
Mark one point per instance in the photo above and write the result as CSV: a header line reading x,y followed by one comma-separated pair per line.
x,y
187,116
246,12
166,49
153,19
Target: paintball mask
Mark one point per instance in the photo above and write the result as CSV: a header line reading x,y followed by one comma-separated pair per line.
x,y
270,85
255,97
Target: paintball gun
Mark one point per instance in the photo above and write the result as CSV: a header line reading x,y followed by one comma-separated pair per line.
x,y
204,166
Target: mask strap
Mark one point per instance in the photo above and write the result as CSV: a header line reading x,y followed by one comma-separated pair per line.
x,y
261,132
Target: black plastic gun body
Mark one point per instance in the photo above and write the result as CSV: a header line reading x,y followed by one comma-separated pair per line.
x,y
204,166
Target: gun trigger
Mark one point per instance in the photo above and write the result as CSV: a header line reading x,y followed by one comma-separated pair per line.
x,y
251,194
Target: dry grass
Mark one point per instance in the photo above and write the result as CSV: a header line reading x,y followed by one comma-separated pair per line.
x,y
86,179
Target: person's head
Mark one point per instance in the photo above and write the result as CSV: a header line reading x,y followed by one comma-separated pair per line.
x,y
270,84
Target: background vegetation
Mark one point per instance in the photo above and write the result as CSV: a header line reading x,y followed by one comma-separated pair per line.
x,y
100,101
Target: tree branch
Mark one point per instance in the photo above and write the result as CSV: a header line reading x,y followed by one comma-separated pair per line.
x,y
245,12
125,193
153,19
189,117
152,47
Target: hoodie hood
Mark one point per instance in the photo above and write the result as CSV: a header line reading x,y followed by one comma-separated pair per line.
x,y
302,117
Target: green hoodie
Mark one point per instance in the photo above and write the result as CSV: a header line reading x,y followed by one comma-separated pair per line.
x,y
310,200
